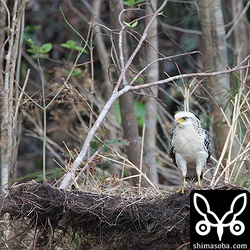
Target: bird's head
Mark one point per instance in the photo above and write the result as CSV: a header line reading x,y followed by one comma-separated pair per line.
x,y
184,118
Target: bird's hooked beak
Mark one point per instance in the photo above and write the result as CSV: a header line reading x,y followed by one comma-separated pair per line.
x,y
178,121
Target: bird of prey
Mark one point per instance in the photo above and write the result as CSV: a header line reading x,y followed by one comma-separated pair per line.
x,y
190,145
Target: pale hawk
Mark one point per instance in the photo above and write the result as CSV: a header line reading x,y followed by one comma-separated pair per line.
x,y
190,145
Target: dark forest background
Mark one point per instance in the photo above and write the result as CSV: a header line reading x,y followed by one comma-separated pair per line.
x,y
61,60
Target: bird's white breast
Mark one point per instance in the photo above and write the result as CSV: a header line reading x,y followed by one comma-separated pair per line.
x,y
189,144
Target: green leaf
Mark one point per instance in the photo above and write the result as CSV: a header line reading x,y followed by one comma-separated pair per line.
x,y
139,1
129,3
132,3
29,41
127,24
45,48
29,31
39,51
134,24
76,72
139,112
79,48
33,49
72,45
117,112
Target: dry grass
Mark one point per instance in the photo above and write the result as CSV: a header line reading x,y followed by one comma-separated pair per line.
x,y
236,148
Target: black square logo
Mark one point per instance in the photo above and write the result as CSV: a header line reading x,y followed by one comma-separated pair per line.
x,y
220,219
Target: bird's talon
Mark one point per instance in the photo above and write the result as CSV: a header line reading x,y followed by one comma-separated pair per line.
x,y
180,191
199,182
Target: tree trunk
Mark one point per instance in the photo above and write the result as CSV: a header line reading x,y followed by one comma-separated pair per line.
x,y
215,59
241,41
104,57
3,97
9,124
126,101
151,107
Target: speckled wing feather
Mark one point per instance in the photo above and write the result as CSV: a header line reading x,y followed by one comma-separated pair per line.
x,y
207,142
171,147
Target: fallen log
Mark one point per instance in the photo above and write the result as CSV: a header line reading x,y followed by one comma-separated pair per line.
x,y
46,216
39,216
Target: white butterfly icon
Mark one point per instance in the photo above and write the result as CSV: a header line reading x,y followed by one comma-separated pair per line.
x,y
236,227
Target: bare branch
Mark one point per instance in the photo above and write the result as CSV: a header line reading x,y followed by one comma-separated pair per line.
x,y
174,78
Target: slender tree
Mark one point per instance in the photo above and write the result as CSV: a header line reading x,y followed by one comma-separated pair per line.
x,y
126,101
239,31
152,75
4,168
214,49
104,56
8,120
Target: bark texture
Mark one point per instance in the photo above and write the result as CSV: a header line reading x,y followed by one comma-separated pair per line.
x,y
215,59
3,97
10,65
150,105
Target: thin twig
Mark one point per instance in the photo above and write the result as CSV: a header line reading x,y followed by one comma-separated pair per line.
x,y
21,95
141,156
